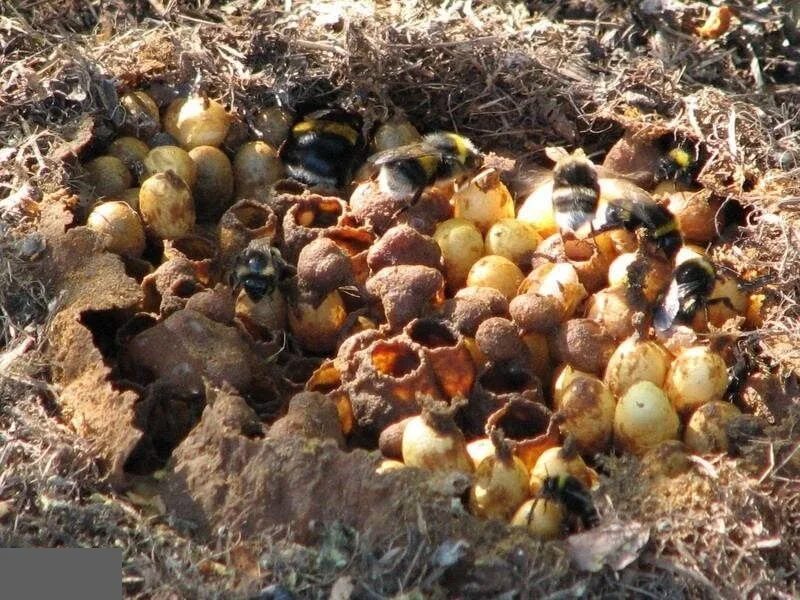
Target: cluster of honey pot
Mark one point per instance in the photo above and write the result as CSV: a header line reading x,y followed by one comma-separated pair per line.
x,y
510,323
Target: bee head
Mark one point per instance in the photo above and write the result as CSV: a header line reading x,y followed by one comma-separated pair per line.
x,y
457,147
257,271
670,244
336,114
710,273
553,484
677,164
698,270
259,263
681,157
575,170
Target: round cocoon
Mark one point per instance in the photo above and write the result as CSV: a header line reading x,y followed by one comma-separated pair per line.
x,y
120,227
265,315
566,375
537,209
272,125
480,449
108,175
395,133
636,360
171,158
499,487
697,376
515,240
197,121
587,414
484,201
706,431
213,190
611,309
562,283
166,206
139,114
256,166
644,418
544,519
552,462
129,150
317,327
496,272
426,447
696,215
462,245
618,270
726,287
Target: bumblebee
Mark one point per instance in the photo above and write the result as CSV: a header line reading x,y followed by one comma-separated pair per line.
x,y
678,164
692,283
259,271
573,496
324,148
641,212
405,172
576,191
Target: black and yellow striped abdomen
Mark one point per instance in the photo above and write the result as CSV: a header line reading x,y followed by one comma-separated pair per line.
x,y
324,148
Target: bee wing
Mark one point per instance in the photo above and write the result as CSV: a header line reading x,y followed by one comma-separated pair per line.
x,y
278,259
576,493
526,178
588,513
664,315
410,151
651,214
556,153
614,216
690,288
577,497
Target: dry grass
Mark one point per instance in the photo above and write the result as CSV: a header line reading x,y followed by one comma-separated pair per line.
x,y
517,81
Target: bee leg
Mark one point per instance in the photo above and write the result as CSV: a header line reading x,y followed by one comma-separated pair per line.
x,y
563,242
757,283
280,262
725,300
594,237
412,203
533,508
351,320
400,211
284,344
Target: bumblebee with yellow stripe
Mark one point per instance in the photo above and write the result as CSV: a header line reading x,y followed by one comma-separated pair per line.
x,y
692,283
573,496
640,212
576,190
405,172
678,164
324,148
259,270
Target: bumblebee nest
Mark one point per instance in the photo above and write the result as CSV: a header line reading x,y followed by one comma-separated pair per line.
x,y
496,72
